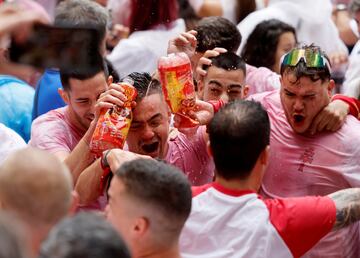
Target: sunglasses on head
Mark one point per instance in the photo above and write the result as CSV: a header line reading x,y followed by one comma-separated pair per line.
x,y
313,58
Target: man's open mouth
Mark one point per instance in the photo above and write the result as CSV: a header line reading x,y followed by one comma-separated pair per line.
x,y
298,118
150,148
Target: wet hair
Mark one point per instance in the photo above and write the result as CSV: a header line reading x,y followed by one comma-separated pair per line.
x,y
244,8
227,61
84,235
188,13
145,14
144,84
163,188
238,134
217,32
82,13
313,73
260,48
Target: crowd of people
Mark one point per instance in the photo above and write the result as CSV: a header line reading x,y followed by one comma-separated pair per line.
x,y
268,168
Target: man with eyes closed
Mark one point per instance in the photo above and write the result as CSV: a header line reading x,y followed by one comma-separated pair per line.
x,y
302,163
66,132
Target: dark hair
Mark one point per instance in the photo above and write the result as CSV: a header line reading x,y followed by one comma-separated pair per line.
x,y
145,14
161,186
260,48
188,13
217,32
301,70
227,61
82,13
81,74
144,84
84,235
244,8
238,134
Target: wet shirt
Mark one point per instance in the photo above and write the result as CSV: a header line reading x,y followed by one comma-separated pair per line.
x,y
191,156
313,165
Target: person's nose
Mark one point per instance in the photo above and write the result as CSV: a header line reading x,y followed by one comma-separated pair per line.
x,y
148,133
298,104
225,97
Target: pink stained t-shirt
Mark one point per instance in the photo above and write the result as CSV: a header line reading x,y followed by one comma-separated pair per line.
x,y
261,79
313,165
54,132
191,156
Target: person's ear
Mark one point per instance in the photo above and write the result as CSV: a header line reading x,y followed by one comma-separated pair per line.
x,y
64,95
140,227
75,200
110,80
245,91
330,87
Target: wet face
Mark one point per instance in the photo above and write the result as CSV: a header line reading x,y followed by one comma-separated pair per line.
x,y
149,129
357,19
120,210
82,97
286,42
223,84
302,100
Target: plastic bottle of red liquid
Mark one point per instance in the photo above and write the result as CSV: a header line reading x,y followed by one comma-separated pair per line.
x,y
114,124
177,84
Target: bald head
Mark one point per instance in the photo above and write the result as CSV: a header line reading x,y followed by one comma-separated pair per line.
x,y
36,186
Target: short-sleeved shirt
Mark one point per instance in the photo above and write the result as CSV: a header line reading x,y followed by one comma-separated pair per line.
x,y
313,165
191,156
226,223
54,132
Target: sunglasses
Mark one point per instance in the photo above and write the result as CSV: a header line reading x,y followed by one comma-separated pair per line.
x,y
313,58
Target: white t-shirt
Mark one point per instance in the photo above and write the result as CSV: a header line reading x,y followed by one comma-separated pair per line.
x,y
10,141
141,51
351,85
311,20
227,223
313,165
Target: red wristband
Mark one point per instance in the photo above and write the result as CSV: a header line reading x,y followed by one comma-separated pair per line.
x,y
217,104
354,104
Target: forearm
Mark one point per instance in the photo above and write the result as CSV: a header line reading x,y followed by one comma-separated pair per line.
x,y
80,157
347,203
88,183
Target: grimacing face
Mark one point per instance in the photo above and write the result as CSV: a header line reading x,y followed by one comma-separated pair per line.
x,y
223,84
302,100
82,97
149,129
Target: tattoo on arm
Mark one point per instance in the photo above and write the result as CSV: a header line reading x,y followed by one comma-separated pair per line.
x,y
347,204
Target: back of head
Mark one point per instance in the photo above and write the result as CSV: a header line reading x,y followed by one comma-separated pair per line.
x,y
164,193
82,13
144,84
238,134
217,32
82,236
36,186
228,61
260,48
146,14
306,61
